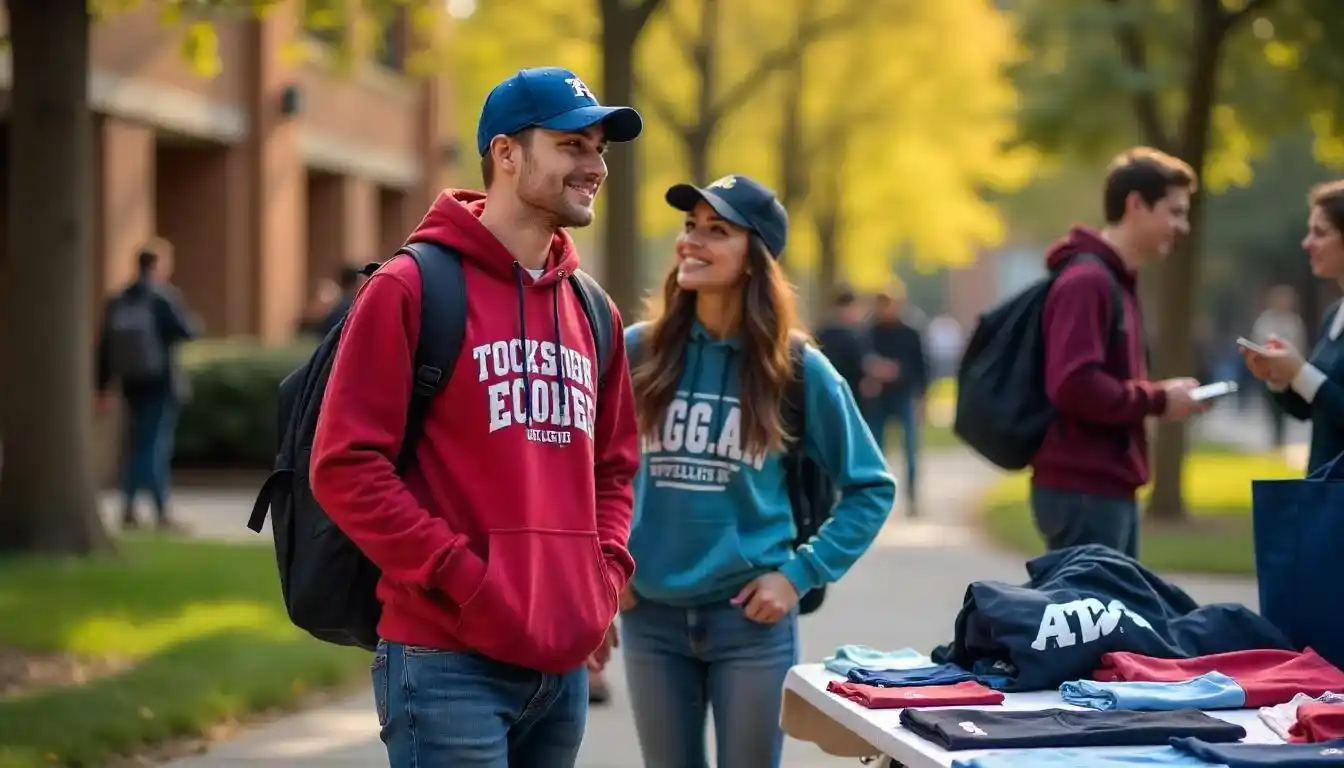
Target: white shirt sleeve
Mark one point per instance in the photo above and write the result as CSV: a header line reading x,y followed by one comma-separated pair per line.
x,y
1308,382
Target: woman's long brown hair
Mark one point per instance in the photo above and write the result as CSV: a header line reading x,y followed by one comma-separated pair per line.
x,y
769,315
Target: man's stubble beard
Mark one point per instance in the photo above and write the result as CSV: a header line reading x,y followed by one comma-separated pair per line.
x,y
553,207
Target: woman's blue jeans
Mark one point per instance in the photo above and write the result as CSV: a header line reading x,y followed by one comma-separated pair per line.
x,y
682,663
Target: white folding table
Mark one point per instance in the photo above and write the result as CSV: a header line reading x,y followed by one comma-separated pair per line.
x,y
842,727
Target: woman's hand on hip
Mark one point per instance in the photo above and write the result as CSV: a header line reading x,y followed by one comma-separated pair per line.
x,y
767,598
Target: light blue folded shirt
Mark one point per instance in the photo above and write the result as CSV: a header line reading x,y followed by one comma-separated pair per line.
x,y
1212,690
1080,758
849,657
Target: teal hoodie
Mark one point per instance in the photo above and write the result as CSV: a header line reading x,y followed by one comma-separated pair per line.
x,y
709,518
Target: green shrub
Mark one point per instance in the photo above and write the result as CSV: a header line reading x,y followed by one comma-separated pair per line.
x,y
230,420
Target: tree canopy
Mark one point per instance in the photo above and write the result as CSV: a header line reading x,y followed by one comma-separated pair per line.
x,y
897,152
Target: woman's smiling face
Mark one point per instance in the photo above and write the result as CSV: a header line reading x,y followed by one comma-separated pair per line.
x,y
711,251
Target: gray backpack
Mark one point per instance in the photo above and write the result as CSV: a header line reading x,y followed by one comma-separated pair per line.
x,y
135,344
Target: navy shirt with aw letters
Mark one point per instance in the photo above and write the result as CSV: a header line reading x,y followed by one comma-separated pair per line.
x,y
1082,602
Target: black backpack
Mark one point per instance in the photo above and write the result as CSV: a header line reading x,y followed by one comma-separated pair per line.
x,y
812,492
134,340
328,584
1003,411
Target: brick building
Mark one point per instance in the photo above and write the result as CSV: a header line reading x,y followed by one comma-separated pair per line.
x,y
266,177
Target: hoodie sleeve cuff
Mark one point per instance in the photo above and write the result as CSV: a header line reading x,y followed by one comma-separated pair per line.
x,y
800,576
1157,399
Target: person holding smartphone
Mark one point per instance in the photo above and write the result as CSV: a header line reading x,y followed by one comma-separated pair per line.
x,y
1312,389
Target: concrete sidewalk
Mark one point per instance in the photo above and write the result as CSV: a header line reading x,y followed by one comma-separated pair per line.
x,y
905,592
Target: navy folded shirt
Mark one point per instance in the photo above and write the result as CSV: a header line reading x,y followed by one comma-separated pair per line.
x,y
1325,753
943,674
955,729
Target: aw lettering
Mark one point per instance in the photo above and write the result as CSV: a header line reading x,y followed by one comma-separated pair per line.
x,y
703,434
1095,621
556,404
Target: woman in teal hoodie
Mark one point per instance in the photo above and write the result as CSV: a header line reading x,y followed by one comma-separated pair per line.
x,y
711,620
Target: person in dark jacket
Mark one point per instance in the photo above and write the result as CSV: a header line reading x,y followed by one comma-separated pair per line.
x,y
1314,389
844,340
141,357
334,311
903,369
1095,454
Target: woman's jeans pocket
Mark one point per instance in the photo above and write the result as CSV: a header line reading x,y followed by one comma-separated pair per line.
x,y
379,673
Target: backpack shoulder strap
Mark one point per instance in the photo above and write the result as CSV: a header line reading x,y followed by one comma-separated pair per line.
x,y
795,400
1119,327
443,325
597,307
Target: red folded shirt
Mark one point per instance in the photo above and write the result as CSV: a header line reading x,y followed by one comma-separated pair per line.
x,y
875,697
1318,722
1268,677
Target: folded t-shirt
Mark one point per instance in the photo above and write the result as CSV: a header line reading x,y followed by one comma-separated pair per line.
x,y
1280,717
1318,722
849,657
962,694
1328,755
943,674
1209,691
1267,676
954,729
1082,758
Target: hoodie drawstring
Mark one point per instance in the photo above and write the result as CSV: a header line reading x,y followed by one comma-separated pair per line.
x,y
521,288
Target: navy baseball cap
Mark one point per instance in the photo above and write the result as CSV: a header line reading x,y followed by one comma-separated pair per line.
x,y
554,99
743,201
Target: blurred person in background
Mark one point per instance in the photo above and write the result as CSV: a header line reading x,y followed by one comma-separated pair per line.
x,y
1313,389
903,372
947,341
710,620
844,339
331,302
1281,320
143,326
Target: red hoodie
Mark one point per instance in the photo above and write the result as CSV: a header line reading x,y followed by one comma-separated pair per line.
x,y
508,535
1098,443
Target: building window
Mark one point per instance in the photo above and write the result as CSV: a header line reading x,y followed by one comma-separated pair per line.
x,y
324,20
391,52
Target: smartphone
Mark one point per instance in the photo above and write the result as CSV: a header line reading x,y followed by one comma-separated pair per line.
x,y
1246,343
1213,391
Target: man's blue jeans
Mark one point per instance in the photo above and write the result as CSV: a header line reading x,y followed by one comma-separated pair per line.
x,y
681,662
460,710
153,424
879,412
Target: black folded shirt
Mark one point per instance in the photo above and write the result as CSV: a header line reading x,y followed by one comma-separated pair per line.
x,y
954,729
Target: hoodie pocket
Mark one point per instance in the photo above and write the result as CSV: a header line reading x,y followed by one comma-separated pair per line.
x,y
545,602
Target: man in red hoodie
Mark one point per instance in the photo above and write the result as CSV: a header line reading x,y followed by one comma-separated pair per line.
x,y
1095,455
503,549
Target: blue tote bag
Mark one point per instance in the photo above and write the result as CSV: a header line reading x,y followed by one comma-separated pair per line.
x,y
1299,557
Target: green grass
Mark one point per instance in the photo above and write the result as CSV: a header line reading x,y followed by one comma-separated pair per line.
x,y
201,625
1217,539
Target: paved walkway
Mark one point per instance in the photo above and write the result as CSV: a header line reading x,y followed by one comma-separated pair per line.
x,y
905,592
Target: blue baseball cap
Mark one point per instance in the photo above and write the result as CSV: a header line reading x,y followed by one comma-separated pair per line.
x,y
743,201
554,99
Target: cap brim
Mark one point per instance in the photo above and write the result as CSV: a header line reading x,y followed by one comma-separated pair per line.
x,y
684,197
618,123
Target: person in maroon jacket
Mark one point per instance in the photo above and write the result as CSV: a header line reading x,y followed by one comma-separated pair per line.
x,y
1095,455
503,550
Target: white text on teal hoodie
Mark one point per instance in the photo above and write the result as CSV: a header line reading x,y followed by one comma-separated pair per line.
x,y
709,518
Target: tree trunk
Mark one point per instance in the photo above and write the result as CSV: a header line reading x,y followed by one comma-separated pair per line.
x,y
699,136
622,24
48,491
1180,275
